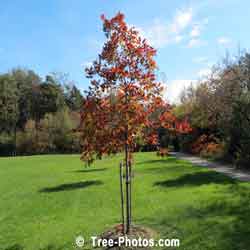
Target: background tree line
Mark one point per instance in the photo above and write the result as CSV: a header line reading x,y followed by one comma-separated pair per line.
x,y
219,111
38,115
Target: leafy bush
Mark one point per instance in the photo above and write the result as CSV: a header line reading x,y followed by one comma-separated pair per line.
x,y
162,152
213,150
208,146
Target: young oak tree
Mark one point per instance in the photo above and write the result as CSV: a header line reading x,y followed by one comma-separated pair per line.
x,y
124,100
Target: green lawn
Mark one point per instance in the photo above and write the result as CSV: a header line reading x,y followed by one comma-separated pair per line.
x,y
46,201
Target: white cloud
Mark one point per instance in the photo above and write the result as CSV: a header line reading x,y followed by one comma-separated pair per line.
x,y
198,27
162,33
157,34
224,41
181,20
195,33
174,89
182,26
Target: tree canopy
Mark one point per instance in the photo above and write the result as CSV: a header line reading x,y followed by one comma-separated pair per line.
x,y
123,95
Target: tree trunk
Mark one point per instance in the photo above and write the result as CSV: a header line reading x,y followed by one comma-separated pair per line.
x,y
128,179
122,196
130,193
15,140
127,190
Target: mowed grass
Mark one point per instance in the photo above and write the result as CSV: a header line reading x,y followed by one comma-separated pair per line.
x,y
46,201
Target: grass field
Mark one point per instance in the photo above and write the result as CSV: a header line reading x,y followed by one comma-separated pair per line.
x,y
46,201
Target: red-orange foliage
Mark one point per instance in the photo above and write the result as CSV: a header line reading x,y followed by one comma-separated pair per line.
x,y
162,152
207,145
199,144
124,100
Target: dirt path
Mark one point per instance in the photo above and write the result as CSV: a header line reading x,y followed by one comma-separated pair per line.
x,y
226,169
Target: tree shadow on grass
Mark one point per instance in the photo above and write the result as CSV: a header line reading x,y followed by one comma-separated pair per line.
x,y
51,247
197,179
165,160
90,170
171,168
20,247
14,247
71,186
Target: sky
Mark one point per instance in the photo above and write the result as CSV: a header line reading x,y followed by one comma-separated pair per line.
x,y
65,36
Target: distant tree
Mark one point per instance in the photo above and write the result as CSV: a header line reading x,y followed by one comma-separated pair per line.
x,y
72,95
73,98
47,97
9,110
51,96
26,139
26,80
